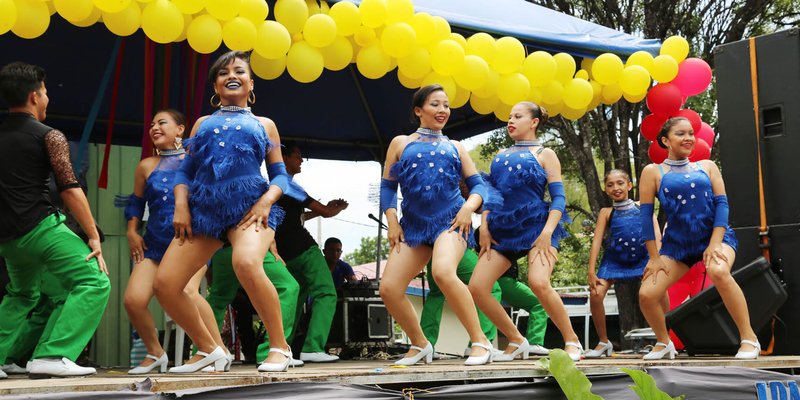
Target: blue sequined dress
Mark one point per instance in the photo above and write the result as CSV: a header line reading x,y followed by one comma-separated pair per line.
x,y
686,197
625,254
160,198
428,171
520,216
224,170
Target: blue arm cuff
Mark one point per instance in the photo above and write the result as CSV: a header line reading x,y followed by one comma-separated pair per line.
x,y
278,176
388,195
476,185
558,197
135,207
296,192
494,199
646,215
721,213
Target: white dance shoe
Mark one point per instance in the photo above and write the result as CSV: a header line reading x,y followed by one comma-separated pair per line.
x,y
752,354
574,356
605,351
521,348
216,358
13,369
668,351
58,367
486,358
318,357
160,363
282,366
426,354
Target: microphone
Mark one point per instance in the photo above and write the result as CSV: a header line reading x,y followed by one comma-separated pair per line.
x,y
374,218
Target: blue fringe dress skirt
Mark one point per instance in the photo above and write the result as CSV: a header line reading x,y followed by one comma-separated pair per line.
x,y
686,196
625,255
429,172
160,197
224,168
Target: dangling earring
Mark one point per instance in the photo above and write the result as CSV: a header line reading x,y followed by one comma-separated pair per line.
x,y
251,98
211,100
178,142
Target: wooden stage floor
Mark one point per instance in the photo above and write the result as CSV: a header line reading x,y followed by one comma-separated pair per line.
x,y
364,372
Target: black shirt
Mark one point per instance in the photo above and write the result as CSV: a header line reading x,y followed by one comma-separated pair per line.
x,y
291,237
29,152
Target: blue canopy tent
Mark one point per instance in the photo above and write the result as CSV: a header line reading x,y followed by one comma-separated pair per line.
x,y
342,115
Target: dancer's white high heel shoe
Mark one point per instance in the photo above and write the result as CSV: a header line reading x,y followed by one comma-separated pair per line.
x,y
160,362
574,357
282,366
521,348
426,353
752,354
668,351
486,358
216,358
606,350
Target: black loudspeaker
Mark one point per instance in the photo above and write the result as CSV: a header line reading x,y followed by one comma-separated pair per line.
x,y
778,77
704,325
360,319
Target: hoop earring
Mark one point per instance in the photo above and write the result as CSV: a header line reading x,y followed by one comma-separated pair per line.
x,y
178,143
211,100
251,98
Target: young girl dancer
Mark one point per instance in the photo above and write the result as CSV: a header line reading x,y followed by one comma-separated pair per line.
x,y
436,223
524,224
692,196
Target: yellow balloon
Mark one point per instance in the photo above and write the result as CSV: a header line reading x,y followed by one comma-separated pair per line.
x,y
399,11
304,62
347,18
267,68
272,41
112,6
239,34
33,18
292,14
50,7
456,37
461,98
74,10
313,7
607,68
417,65
441,29
424,27
254,10
447,57
319,30
571,113
410,83
204,34
565,67
447,83
586,64
8,15
582,74
578,93
553,92
664,69
490,88
509,56
337,56
483,105
162,22
398,39
631,98
642,58
124,23
502,111
635,80
365,36
482,45
190,6
324,7
513,88
553,109
675,47
535,95
540,68
187,19
474,74
597,90
223,10
611,93
373,13
90,20
372,62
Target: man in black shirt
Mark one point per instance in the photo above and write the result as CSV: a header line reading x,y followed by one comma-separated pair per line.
x,y
33,236
306,263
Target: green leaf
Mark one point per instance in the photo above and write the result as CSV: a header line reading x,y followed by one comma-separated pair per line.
x,y
573,382
645,386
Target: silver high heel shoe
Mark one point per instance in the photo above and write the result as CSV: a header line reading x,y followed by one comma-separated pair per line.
x,y
606,350
216,358
668,351
426,353
574,357
277,367
521,348
160,362
486,358
752,354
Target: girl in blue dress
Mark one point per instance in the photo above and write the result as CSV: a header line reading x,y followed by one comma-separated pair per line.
x,y
522,223
619,231
436,223
220,195
154,180
692,196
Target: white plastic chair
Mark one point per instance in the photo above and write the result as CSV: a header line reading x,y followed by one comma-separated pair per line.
x,y
180,336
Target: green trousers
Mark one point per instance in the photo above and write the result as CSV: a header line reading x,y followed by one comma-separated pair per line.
x,y
316,282
39,325
224,286
51,246
432,310
519,295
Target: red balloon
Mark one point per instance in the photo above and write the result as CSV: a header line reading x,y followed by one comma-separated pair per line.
x,y
702,151
657,153
664,98
705,133
694,76
692,116
650,126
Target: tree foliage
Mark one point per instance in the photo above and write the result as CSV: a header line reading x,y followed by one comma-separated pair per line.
x,y
365,253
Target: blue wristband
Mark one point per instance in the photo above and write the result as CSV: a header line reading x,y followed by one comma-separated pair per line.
x,y
646,215
135,207
388,195
476,185
296,192
721,212
558,197
278,176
